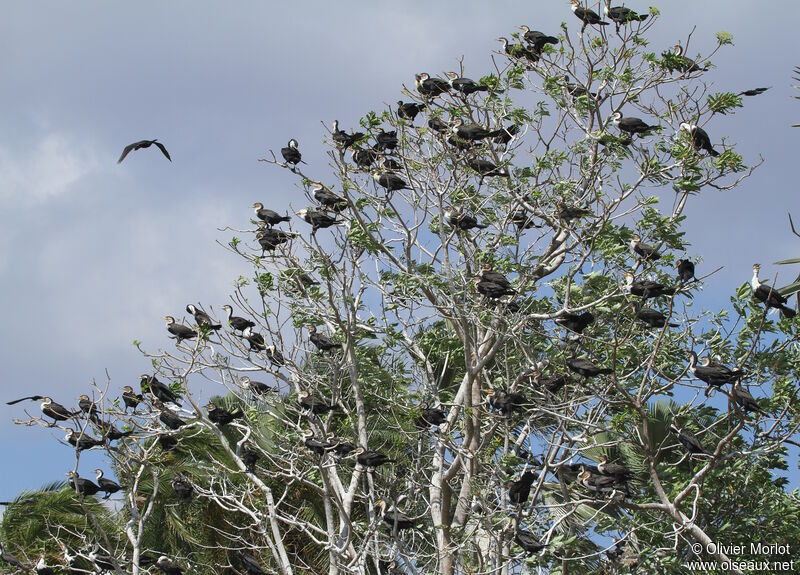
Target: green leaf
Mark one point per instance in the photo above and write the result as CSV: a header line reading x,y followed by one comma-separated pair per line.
x,y
789,261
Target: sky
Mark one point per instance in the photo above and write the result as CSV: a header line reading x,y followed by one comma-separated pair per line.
x,y
93,254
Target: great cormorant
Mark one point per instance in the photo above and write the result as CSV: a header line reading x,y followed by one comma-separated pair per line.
x,y
371,458
700,139
249,563
221,416
168,566
317,219
342,139
256,387
390,181
745,399
529,542
576,322
182,487
586,368
631,125
170,419
314,404
646,288
613,469
409,110
687,65
688,440
621,15
269,238
108,486
269,217
472,132
429,416
365,158
644,251
519,51
506,402
537,40
83,486
520,490
130,398
769,296
328,199
50,408
321,341
462,221
651,317
315,445
255,340
431,87
685,270
236,322
487,168
202,318
151,384
81,441
713,374
179,330
523,219
291,153
465,86
586,16
140,145
395,518
340,446
386,140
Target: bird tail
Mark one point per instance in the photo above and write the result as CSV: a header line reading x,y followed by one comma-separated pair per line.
x,y
285,218
643,17
713,152
788,312
482,88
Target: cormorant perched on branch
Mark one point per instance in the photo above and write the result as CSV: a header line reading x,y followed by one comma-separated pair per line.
x,y
141,145
472,132
130,398
390,181
291,153
429,416
621,15
169,419
768,296
394,518
465,86
631,125
576,322
109,430
687,64
270,238
613,469
685,270
106,485
586,16
577,90
365,158
221,416
386,140
317,219
409,110
275,356
340,446
249,563
520,490
689,441
370,458
519,51
321,341
342,139
461,221
522,218
586,368
552,383
81,441
179,330
569,213
505,135
256,387
506,402
87,406
644,251
168,566
151,384
315,445
314,404
536,39
182,487
236,322
646,288
83,486
430,87
269,217
487,168
745,400
10,559
50,408
528,541
256,340
328,199
202,318
700,139
602,484
651,317
713,374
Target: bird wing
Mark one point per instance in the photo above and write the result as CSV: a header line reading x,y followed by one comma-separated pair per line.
x,y
162,148
32,398
127,150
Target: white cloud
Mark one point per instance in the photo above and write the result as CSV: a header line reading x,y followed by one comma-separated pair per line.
x,y
51,168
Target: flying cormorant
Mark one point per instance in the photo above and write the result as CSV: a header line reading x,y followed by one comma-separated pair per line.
x,y
142,144
753,92
50,408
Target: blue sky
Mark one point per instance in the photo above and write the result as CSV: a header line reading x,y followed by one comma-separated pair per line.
x,y
94,254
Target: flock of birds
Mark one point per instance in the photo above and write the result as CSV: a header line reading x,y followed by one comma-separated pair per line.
x,y
605,478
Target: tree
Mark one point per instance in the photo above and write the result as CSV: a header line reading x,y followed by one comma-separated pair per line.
x,y
455,307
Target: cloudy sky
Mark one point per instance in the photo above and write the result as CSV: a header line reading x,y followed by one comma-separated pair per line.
x,y
94,254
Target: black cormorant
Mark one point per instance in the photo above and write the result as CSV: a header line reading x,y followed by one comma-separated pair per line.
x,y
343,139
506,402
179,330
371,458
269,217
151,384
613,469
685,270
631,125
142,145
255,340
291,153
586,16
646,288
170,419
221,416
314,404
576,322
168,566
651,317
713,374
529,542
395,518
365,158
315,445
769,296
644,251
249,563
81,441
745,399
621,15
328,199
700,139
130,398
321,341
688,440
429,416
487,168
465,86
390,181
11,560
269,238
317,219
409,110
472,132
256,387
202,318
182,487
386,140
753,92
520,490
83,486
461,221
50,408
586,368
236,322
108,486
431,87
536,39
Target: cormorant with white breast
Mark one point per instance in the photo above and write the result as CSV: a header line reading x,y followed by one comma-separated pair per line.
x,y
50,408
328,199
321,341
631,125
644,251
318,220
81,485
255,340
713,374
268,216
767,295
700,139
292,154
390,181
621,15
430,87
465,86
646,288
108,486
342,139
202,318
687,65
537,40
586,16
81,441
236,322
